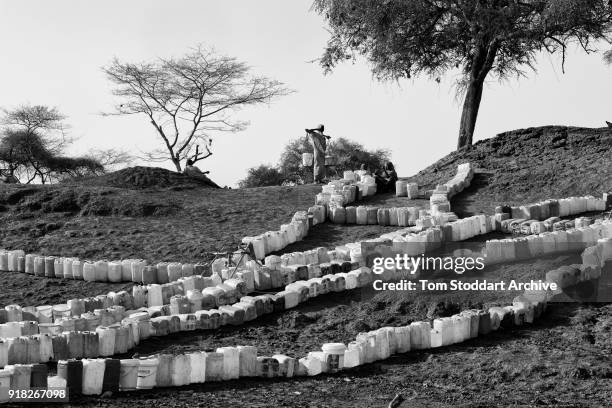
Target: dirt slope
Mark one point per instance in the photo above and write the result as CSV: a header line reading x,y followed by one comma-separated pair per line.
x,y
562,361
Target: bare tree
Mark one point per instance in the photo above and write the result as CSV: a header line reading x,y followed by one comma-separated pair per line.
x,y
189,99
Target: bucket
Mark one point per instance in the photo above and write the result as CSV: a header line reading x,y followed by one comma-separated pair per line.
x,y
72,372
112,374
61,311
77,306
128,374
334,356
13,313
147,373
93,376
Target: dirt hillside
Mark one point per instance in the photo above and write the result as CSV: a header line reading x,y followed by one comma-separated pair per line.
x,y
561,361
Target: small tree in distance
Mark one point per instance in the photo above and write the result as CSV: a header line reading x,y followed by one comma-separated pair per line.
x,y
261,176
405,38
189,99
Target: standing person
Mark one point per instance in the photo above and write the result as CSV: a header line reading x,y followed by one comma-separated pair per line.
x,y
319,145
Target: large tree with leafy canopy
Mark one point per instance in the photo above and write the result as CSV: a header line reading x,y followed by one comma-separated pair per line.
x,y
405,38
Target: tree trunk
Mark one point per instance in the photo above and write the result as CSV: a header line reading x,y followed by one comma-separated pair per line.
x,y
177,164
471,104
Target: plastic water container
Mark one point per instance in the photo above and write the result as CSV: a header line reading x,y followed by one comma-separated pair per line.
x,y
67,268
154,295
115,273
77,270
400,188
93,376
362,215
128,374
72,372
149,275
139,296
247,361
197,364
307,159
112,373
49,266
180,370
46,348
38,377
195,298
175,271
214,366
32,350
58,268
91,344
121,338
10,329
20,376
334,356
147,373
310,365
5,384
17,350
75,344
89,272
231,362
164,373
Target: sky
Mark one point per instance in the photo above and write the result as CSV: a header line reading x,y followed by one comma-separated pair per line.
x,y
53,50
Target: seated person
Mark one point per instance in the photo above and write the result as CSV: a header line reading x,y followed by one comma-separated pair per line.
x,y
8,179
386,178
192,171
365,170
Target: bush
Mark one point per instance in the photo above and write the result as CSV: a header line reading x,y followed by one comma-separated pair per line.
x,y
264,175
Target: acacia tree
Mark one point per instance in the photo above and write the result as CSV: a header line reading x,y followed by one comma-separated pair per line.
x,y
32,146
188,99
405,38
